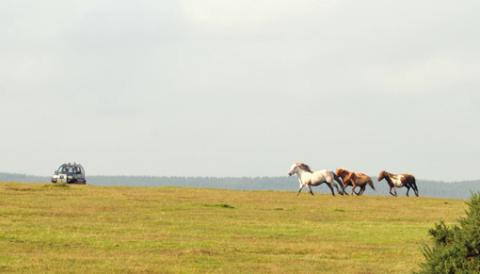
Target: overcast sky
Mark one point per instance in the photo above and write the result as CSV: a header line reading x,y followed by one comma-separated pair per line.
x,y
240,88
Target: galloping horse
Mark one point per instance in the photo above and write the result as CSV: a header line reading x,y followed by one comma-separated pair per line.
x,y
309,178
355,179
399,180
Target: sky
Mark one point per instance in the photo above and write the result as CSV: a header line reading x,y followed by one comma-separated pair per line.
x,y
240,88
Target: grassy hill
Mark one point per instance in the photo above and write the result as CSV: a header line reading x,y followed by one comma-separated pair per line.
x,y
92,229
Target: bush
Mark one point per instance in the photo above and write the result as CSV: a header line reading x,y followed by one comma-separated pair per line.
x,y
455,249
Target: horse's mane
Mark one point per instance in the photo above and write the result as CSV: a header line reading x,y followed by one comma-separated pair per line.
x,y
304,167
342,171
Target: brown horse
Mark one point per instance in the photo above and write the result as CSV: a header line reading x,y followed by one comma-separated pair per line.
x,y
355,179
398,180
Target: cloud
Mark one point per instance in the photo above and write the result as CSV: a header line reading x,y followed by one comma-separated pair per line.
x,y
203,82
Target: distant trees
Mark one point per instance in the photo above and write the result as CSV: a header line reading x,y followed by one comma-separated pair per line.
x,y
455,249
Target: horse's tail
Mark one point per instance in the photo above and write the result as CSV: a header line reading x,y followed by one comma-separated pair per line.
x,y
414,185
337,178
370,183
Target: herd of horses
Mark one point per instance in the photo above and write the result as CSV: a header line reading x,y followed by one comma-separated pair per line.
x,y
344,178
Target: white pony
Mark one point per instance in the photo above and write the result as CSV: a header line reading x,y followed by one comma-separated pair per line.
x,y
309,178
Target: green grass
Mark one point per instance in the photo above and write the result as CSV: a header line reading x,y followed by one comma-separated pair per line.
x,y
88,229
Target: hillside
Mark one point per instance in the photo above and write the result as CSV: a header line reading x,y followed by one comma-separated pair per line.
x,y
428,188
46,228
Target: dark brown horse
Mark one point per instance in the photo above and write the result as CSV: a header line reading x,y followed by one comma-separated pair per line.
x,y
398,180
355,179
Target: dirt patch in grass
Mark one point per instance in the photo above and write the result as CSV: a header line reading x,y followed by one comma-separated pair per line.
x,y
196,251
220,206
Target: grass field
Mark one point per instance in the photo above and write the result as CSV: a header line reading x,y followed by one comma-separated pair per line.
x,y
88,229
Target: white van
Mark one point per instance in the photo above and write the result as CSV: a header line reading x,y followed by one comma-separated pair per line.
x,y
70,173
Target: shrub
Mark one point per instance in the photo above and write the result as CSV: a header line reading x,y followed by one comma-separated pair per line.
x,y
455,249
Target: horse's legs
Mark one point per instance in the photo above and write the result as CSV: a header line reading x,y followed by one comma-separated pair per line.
x,y
331,188
362,189
353,188
408,189
341,192
415,189
338,190
345,191
358,193
300,189
340,183
394,193
310,189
